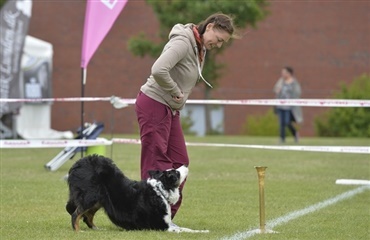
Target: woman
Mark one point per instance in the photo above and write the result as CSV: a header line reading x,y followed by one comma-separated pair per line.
x,y
287,87
173,76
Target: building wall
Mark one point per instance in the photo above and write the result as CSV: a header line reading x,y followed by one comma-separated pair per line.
x,y
325,43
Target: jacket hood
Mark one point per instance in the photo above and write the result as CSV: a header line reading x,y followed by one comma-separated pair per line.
x,y
185,31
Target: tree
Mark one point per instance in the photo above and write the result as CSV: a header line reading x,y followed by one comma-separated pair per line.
x,y
347,121
2,2
170,12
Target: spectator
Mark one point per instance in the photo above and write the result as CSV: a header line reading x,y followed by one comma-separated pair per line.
x,y
287,87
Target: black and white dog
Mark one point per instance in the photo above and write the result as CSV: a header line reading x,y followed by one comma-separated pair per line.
x,y
96,182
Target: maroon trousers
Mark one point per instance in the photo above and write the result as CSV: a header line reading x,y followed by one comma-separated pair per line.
x,y
162,140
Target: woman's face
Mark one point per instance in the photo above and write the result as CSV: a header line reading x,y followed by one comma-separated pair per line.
x,y
214,37
285,74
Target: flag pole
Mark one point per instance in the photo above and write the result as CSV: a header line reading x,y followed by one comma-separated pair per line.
x,y
99,19
83,83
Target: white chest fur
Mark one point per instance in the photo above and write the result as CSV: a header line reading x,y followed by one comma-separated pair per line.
x,y
168,197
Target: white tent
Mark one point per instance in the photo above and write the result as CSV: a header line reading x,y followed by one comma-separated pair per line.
x,y
34,119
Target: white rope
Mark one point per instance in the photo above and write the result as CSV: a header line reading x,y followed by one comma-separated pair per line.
x,y
53,143
257,102
333,149
103,141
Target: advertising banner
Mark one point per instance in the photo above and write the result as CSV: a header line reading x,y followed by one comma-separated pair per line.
x,y
100,17
14,21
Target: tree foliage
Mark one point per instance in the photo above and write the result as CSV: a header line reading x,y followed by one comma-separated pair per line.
x,y
246,13
347,121
2,2
261,125
170,12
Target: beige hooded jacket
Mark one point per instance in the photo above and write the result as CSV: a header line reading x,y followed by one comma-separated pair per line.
x,y
177,69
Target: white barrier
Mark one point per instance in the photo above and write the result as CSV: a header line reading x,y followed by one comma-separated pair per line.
x,y
70,99
122,102
334,149
53,143
103,141
288,102
257,102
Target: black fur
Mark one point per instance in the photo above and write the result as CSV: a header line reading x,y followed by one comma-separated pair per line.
x,y
95,182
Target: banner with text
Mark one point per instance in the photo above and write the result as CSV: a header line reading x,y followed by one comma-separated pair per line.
x,y
14,21
100,17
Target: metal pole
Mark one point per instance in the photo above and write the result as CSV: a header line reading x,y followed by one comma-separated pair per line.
x,y
261,187
83,83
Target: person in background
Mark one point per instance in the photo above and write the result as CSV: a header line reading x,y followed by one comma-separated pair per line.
x,y
173,76
287,87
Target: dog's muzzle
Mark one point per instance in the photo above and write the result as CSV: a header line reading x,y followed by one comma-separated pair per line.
x,y
183,170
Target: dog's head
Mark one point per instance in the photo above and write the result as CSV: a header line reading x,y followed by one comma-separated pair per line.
x,y
171,178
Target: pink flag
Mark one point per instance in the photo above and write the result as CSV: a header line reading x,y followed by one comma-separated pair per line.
x,y
99,18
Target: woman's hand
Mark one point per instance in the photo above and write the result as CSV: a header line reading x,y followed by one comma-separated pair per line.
x,y
179,98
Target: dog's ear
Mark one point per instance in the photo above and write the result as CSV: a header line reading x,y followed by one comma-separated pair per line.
x,y
155,173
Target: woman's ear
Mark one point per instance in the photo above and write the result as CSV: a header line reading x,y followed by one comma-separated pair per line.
x,y
209,26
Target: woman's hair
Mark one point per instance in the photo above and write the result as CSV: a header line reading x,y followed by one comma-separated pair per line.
x,y
221,21
289,70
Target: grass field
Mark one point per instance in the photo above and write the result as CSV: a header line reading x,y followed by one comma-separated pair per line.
x,y
221,193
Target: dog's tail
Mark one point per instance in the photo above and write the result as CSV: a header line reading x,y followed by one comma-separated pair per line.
x,y
71,207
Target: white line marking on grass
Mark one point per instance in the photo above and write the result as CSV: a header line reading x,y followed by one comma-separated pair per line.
x,y
352,182
299,213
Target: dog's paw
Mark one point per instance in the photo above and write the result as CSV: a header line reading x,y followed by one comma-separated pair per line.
x,y
201,231
185,230
173,229
188,230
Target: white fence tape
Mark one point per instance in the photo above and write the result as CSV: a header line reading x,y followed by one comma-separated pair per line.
x,y
71,99
53,143
103,141
256,102
288,102
334,149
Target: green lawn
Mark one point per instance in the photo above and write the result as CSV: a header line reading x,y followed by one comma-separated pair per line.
x,y
221,193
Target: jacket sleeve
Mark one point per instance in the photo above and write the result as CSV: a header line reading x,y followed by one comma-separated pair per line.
x,y
277,87
175,50
297,90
